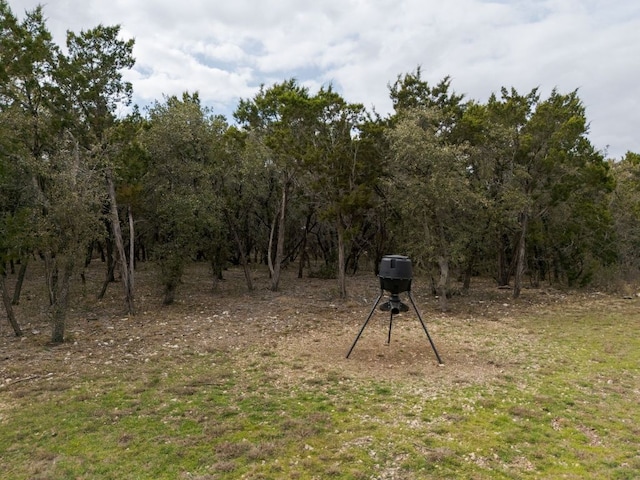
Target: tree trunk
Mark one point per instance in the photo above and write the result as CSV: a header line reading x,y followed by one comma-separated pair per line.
x,y
171,271
247,271
270,245
169,294
107,280
51,276
443,282
61,301
216,274
111,265
466,279
21,274
110,260
521,256
504,270
7,305
132,251
89,257
304,257
244,261
117,236
342,282
277,262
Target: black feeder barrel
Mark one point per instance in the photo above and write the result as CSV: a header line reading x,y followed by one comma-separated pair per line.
x,y
395,274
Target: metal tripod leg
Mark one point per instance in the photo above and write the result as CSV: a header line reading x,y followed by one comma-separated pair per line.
x,y
424,327
365,324
390,324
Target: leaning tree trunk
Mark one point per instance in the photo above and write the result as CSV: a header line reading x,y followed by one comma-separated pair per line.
x,y
21,274
7,305
127,274
272,231
105,284
521,257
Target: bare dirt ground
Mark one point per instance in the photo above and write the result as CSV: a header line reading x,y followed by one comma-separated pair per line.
x,y
305,324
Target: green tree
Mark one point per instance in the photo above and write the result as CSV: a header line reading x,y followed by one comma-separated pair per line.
x,y
625,209
182,204
27,93
506,190
20,117
93,89
243,188
91,81
281,118
14,212
432,190
580,235
72,217
546,177
340,175
125,167
44,93
411,92
430,182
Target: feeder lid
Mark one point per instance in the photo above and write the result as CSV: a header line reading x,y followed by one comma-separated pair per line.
x,y
395,266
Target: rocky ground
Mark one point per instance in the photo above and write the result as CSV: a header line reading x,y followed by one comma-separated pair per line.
x,y
304,323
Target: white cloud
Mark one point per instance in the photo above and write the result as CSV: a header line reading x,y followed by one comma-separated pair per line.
x,y
225,50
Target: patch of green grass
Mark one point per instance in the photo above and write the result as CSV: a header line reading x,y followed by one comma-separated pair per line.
x,y
574,416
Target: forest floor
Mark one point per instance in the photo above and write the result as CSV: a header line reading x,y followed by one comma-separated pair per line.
x,y
305,320
227,383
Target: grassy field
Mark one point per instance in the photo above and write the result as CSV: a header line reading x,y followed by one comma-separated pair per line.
x,y
557,396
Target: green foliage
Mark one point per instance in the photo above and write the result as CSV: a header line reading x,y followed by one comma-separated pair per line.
x,y
321,152
57,108
90,79
432,189
410,92
541,176
72,203
181,199
324,270
442,179
625,210
429,181
281,116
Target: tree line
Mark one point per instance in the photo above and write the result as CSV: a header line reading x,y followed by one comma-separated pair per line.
x,y
509,188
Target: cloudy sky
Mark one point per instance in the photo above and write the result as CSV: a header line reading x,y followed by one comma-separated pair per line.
x,y
226,49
